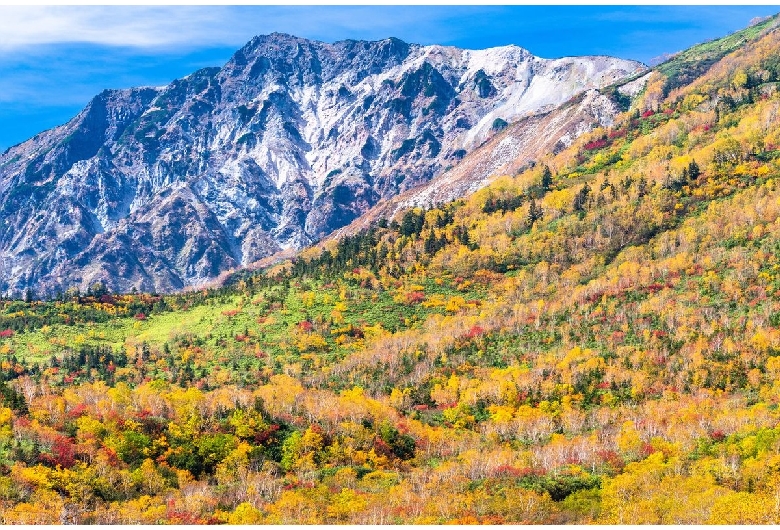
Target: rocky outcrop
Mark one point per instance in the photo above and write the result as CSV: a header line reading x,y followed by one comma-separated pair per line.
x,y
506,153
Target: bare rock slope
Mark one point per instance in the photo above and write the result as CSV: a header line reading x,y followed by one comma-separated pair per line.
x,y
506,153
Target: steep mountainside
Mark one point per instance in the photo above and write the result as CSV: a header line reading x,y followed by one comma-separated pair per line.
x,y
506,153
159,188
527,140
595,339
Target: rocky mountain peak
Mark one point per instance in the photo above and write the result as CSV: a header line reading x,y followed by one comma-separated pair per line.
x,y
161,188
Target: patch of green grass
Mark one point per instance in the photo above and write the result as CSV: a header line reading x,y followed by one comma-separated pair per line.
x,y
160,328
693,62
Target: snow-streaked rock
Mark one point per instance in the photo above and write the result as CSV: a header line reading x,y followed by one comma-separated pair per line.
x,y
161,188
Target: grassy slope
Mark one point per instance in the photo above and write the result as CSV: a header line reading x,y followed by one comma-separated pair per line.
x,y
694,62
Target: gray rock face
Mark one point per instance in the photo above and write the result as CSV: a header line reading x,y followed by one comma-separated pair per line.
x,y
162,188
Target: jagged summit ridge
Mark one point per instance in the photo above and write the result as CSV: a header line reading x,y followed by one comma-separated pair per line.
x,y
160,188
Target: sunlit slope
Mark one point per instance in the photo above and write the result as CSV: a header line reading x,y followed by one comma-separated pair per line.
x,y
595,340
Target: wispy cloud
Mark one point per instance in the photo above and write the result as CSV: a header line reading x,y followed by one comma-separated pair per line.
x,y
134,26
196,26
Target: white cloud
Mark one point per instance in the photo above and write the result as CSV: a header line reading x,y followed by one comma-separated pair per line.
x,y
135,26
148,26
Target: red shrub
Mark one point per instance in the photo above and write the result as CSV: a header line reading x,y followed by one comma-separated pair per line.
x,y
77,411
655,287
262,437
382,448
63,452
718,435
475,331
595,144
415,297
612,459
182,517
647,450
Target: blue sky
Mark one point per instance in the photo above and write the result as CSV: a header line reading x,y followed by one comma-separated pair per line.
x,y
54,59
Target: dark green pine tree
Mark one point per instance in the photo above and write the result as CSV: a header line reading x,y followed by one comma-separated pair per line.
x,y
534,212
411,224
693,170
431,243
641,187
581,198
546,179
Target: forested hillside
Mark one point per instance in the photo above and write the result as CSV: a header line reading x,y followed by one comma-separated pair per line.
x,y
594,340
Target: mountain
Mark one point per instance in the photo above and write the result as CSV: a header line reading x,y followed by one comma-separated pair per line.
x,y
161,188
506,153
593,339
